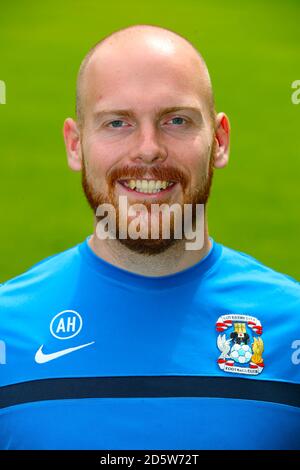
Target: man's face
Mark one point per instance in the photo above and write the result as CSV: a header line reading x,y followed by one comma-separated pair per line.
x,y
148,141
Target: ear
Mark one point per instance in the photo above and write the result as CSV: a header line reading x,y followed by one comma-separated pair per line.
x,y
72,142
222,136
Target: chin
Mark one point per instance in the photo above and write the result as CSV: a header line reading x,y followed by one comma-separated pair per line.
x,y
148,246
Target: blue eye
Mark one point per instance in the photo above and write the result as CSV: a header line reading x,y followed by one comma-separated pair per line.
x,y
178,120
117,122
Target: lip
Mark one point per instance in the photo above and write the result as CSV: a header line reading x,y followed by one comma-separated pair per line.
x,y
147,195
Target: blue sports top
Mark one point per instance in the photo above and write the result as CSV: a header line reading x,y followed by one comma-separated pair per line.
x,y
95,357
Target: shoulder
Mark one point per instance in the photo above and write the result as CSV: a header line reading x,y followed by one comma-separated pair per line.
x,y
47,271
244,268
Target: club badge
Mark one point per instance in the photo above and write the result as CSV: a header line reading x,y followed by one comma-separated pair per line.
x,y
240,344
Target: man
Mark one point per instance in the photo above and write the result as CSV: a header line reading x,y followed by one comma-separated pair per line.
x,y
134,342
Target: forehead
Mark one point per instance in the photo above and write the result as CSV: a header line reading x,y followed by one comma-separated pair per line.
x,y
143,78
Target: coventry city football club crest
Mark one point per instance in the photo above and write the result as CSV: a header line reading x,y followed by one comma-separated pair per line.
x,y
240,344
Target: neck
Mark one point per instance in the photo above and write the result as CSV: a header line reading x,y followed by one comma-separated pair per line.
x,y
174,259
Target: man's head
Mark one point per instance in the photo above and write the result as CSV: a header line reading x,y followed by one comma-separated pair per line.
x,y
145,111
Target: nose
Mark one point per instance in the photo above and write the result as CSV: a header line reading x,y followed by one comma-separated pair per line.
x,y
148,146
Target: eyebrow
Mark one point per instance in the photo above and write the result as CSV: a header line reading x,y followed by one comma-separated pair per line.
x,y
98,115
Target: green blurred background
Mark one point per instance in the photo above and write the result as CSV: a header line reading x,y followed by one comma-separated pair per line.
x,y
252,50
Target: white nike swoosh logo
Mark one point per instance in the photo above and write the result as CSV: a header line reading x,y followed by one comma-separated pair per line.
x,y
41,358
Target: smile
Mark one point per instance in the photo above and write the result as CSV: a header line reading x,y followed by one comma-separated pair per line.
x,y
147,186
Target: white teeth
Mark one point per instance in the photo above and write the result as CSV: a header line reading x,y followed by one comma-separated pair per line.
x,y
147,186
151,185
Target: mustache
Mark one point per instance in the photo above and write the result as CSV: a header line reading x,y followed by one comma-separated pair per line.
x,y
158,173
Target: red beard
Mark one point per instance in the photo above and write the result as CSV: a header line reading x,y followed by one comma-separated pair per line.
x,y
150,246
